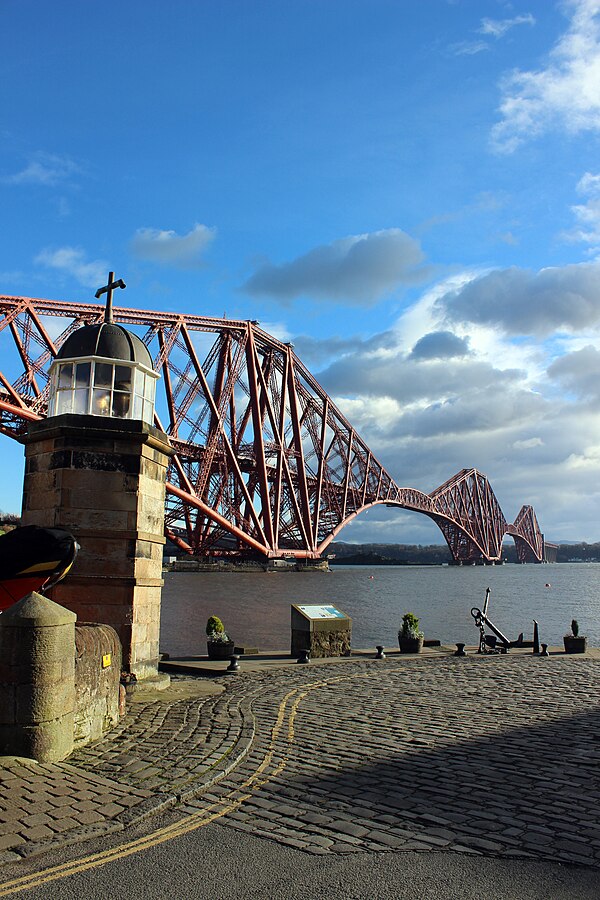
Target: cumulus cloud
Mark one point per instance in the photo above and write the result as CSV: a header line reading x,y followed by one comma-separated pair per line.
x,y
469,409
356,269
320,351
579,372
412,381
45,169
529,303
72,261
167,248
440,345
493,404
564,94
475,410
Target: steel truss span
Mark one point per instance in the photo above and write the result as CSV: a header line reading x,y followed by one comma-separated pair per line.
x,y
264,461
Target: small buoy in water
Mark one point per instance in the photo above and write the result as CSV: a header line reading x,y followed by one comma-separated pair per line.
x,y
371,577
548,584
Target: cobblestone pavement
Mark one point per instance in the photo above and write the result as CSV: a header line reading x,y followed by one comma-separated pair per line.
x,y
497,756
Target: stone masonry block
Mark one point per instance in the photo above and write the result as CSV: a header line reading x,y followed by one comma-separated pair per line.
x,y
42,702
7,703
149,487
48,742
96,481
97,519
147,568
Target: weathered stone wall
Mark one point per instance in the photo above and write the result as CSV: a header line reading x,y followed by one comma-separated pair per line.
x,y
59,683
322,644
97,679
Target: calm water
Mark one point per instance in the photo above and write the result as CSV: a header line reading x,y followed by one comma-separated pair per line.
x,y
255,607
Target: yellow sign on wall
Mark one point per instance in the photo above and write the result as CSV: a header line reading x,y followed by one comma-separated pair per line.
x,y
106,660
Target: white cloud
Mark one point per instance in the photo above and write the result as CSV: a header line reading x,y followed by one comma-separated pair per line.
x,y
564,94
424,315
509,400
588,461
279,330
589,184
440,345
499,27
46,169
529,303
579,372
171,249
72,261
356,269
588,214
411,381
495,28
469,48
528,443
371,413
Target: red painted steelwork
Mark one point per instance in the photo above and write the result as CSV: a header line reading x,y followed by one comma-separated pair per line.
x,y
264,461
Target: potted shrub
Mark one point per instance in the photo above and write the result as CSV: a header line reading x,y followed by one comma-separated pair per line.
x,y
410,638
218,642
574,642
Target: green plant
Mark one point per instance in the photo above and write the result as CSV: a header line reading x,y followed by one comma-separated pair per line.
x,y
410,626
215,630
574,627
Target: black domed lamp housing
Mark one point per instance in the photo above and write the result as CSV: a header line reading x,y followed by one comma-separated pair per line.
x,y
103,370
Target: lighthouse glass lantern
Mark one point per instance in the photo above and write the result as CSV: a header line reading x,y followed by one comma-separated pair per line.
x,y
103,370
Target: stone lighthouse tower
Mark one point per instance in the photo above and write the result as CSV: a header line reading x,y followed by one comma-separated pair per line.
x,y
97,467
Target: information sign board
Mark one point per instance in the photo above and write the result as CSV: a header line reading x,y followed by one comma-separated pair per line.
x,y
321,612
320,628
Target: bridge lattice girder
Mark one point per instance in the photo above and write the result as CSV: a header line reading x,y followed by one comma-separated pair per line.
x,y
529,540
473,523
264,460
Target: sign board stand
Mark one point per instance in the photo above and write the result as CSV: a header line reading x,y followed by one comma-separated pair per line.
x,y
322,630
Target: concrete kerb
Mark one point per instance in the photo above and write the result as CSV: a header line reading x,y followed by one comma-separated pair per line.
x,y
282,659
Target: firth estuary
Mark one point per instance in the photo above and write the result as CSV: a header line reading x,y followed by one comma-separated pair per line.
x,y
255,607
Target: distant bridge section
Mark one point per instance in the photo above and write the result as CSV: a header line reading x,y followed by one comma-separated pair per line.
x,y
264,461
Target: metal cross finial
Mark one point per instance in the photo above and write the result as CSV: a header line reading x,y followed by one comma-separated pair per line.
x,y
108,289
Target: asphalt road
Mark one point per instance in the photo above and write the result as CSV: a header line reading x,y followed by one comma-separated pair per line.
x,y
220,863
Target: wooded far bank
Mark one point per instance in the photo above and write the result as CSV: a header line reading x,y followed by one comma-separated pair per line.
x,y
438,554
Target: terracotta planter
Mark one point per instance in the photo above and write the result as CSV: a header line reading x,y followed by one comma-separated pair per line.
x,y
220,649
410,644
575,644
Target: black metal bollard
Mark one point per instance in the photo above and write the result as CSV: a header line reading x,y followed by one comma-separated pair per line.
x,y
460,650
380,654
304,656
544,650
234,666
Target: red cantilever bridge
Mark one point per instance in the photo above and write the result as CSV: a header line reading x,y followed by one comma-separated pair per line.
x,y
264,461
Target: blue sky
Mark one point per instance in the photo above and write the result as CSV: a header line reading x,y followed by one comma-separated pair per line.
x,y
409,191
